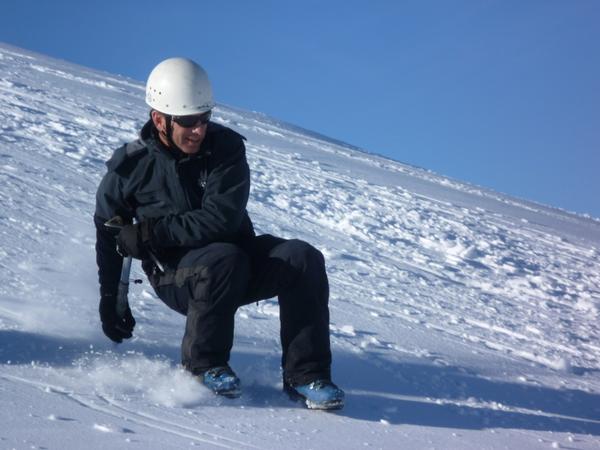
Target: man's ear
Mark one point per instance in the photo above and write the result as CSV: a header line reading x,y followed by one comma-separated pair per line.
x,y
159,120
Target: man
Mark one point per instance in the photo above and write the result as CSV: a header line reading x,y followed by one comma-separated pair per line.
x,y
182,190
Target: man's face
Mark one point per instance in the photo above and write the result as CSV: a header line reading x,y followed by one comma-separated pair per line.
x,y
188,139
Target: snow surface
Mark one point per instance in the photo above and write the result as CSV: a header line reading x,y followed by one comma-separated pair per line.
x,y
460,317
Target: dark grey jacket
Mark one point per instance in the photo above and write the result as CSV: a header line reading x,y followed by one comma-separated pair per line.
x,y
192,200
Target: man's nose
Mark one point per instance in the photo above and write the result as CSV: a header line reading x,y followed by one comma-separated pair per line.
x,y
200,129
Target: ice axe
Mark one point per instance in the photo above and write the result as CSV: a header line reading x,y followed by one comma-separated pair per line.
x,y
116,224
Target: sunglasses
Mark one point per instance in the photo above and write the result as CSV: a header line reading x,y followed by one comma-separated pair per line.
x,y
192,121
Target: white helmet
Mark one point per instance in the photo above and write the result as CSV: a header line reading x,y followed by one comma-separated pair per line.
x,y
179,87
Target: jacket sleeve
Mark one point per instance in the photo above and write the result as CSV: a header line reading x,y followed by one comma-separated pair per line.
x,y
109,203
223,207
108,260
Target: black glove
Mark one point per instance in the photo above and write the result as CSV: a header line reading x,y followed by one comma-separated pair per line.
x,y
135,240
114,327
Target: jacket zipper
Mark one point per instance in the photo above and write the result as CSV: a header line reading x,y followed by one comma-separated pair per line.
x,y
203,180
183,199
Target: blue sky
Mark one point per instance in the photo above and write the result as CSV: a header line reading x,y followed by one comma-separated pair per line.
x,y
501,93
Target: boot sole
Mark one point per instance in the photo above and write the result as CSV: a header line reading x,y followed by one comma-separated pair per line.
x,y
295,396
229,394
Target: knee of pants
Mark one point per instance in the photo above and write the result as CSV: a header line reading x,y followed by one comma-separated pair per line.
x,y
300,254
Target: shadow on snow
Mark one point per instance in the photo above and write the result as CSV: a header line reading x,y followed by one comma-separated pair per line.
x,y
376,389
454,397
24,347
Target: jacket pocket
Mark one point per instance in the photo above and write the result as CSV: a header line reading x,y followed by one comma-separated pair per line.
x,y
149,198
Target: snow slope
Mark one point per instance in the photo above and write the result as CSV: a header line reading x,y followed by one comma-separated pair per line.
x,y
460,317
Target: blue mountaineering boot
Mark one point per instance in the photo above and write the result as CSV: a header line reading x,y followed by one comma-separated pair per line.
x,y
222,381
319,394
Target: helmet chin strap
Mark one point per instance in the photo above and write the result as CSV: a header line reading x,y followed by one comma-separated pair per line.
x,y
169,131
167,134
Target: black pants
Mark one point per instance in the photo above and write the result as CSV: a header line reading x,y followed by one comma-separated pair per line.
x,y
208,284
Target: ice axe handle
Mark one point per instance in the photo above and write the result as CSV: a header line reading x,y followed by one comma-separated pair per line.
x,y
116,224
123,289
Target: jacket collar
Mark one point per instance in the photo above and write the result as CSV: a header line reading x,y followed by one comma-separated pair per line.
x,y
149,136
